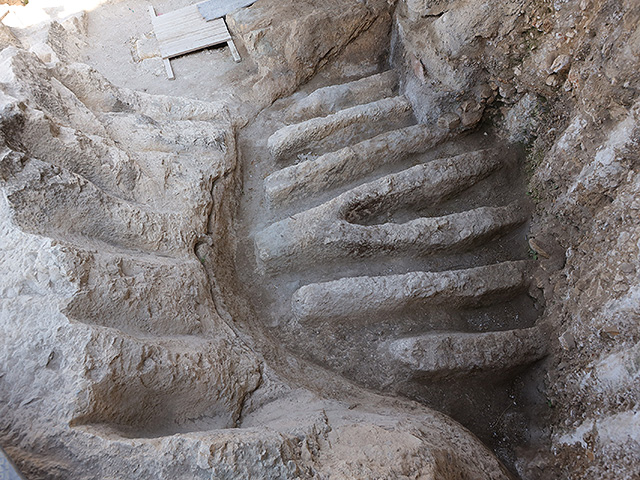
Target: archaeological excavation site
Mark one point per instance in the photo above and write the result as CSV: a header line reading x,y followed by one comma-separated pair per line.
x,y
320,239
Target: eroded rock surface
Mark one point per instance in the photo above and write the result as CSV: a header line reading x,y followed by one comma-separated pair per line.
x,y
562,78
401,243
150,328
119,358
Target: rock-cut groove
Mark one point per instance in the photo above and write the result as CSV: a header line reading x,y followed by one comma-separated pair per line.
x,y
371,236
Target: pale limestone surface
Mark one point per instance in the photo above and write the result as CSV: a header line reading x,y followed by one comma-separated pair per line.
x,y
118,360
125,347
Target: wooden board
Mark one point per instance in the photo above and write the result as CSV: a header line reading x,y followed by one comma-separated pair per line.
x,y
185,30
212,9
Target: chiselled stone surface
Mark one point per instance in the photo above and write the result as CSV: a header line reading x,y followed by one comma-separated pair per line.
x,y
119,358
337,168
305,135
401,247
335,229
150,329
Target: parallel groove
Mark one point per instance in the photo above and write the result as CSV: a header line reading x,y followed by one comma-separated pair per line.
x,y
324,318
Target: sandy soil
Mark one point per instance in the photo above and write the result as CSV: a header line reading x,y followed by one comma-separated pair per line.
x,y
123,47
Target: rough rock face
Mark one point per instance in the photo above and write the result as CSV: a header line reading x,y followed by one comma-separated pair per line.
x,y
592,378
119,359
292,40
182,296
101,210
562,78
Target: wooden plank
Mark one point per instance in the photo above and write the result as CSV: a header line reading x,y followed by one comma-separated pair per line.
x,y
179,46
182,49
166,61
184,30
203,39
196,36
234,51
177,23
165,34
212,9
168,69
186,24
178,16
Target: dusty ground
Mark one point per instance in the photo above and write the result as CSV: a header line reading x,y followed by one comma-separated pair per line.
x,y
121,44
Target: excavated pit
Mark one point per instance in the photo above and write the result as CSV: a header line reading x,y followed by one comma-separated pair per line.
x,y
395,255
295,266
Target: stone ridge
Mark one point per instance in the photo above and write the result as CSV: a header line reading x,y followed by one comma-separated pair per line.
x,y
370,238
117,361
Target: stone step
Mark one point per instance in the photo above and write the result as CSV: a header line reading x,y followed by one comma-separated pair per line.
x,y
159,179
100,95
368,119
366,298
333,98
91,156
330,230
292,245
54,202
425,184
140,295
334,169
436,356
149,387
142,133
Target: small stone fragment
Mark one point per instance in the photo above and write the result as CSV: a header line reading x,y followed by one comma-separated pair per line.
x,y
146,46
449,121
561,64
539,249
611,331
471,118
485,91
552,80
45,53
627,268
418,69
567,341
506,90
567,85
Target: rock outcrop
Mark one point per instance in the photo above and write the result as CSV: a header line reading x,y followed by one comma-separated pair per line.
x,y
562,79
233,287
119,358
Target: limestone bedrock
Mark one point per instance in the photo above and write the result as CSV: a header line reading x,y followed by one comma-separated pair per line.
x,y
120,357
270,269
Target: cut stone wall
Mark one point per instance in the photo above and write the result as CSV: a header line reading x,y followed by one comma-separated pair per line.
x,y
561,78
